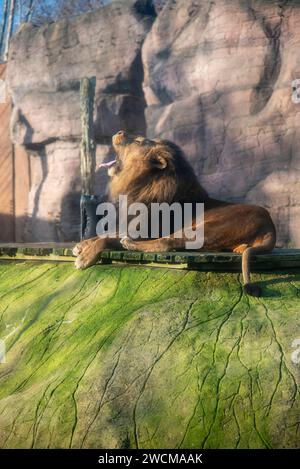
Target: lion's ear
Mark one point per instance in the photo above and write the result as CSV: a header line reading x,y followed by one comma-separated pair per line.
x,y
159,159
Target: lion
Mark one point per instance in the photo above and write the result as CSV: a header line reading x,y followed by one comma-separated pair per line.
x,y
150,171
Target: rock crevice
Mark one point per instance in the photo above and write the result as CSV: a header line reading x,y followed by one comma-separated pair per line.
x,y
272,62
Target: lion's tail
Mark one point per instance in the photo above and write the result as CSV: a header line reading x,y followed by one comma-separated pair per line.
x,y
265,245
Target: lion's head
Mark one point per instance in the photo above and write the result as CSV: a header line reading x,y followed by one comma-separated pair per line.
x,y
152,171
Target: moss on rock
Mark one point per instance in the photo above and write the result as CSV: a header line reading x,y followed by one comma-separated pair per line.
x,y
128,356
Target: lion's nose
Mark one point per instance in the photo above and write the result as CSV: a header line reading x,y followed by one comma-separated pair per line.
x,y
119,138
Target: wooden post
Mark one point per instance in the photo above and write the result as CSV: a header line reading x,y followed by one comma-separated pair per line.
x,y
88,149
87,94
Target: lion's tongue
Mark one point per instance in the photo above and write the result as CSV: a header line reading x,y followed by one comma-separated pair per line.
x,y
107,165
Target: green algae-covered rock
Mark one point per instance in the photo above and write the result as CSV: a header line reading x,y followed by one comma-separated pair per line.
x,y
124,356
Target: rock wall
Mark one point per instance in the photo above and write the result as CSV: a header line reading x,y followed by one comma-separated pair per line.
x,y
215,77
6,163
44,72
218,81
187,362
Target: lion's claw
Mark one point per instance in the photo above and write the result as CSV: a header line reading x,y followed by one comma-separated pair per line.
x,y
77,250
79,263
81,246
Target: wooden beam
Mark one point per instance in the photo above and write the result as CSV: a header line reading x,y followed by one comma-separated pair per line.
x,y
279,259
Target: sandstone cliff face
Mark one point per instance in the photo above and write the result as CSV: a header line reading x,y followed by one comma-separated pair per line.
x,y
218,82
6,163
44,72
215,77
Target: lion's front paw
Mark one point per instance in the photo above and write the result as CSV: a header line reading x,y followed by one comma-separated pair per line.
x,y
77,249
128,244
88,253
86,259
81,263
81,246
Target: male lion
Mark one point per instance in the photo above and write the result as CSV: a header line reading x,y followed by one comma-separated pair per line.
x,y
156,171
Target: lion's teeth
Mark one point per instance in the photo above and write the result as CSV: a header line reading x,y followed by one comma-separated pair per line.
x,y
107,165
